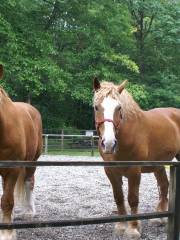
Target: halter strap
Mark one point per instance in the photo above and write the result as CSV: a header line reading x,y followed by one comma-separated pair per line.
x,y
98,124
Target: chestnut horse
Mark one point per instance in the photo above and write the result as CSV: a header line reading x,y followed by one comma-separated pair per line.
x,y
127,133
21,139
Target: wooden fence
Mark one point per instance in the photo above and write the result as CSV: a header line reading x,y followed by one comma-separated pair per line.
x,y
61,143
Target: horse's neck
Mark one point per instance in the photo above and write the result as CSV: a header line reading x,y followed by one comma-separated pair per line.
x,y
132,128
130,138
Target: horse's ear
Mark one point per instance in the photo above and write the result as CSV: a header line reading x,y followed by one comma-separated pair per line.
x,y
96,84
1,71
122,86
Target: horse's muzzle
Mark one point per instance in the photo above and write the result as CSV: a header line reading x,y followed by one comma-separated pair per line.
x,y
108,147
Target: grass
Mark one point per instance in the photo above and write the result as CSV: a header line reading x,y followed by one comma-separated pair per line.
x,y
73,152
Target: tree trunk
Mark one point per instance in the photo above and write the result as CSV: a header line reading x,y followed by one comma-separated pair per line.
x,y
29,98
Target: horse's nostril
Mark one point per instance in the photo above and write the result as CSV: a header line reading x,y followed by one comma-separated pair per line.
x,y
102,143
115,143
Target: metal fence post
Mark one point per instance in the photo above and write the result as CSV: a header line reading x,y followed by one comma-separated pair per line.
x,y
46,144
92,146
174,204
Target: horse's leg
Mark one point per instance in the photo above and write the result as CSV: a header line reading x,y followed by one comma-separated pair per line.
x,y
3,188
29,206
7,203
133,230
163,184
116,182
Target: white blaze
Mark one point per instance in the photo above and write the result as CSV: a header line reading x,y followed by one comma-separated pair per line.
x,y
109,104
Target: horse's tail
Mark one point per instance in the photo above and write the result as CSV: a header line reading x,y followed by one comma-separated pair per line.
x,y
19,192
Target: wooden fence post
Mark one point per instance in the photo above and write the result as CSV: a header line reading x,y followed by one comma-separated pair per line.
x,y
174,204
46,144
62,140
92,146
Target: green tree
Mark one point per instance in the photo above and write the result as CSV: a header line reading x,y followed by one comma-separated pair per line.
x,y
51,51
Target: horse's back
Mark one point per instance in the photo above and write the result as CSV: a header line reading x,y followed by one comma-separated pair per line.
x,y
166,116
164,132
169,111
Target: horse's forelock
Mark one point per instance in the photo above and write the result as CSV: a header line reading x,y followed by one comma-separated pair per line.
x,y
106,89
129,106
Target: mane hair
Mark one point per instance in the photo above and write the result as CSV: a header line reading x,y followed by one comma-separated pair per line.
x,y
129,107
3,95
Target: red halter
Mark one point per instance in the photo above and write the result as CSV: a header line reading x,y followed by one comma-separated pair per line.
x,y
99,123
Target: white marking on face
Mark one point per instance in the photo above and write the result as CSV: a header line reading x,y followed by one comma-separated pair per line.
x,y
109,105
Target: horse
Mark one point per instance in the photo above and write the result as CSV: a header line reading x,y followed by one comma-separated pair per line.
x,y
128,133
21,139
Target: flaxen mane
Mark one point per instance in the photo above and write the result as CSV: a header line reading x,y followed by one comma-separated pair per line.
x,y
129,107
3,95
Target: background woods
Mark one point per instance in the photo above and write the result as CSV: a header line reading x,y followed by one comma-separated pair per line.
x,y
52,49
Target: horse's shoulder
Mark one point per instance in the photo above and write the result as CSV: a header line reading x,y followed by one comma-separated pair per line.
x,y
27,114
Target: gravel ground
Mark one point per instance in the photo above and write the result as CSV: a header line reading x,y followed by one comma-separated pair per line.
x,y
71,192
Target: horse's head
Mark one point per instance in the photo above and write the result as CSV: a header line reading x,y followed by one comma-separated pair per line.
x,y
108,113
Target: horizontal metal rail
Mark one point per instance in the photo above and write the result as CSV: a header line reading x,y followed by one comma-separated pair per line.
x,y
69,135
12,164
84,221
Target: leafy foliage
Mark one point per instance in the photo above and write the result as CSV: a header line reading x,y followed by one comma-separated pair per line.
x,y
51,51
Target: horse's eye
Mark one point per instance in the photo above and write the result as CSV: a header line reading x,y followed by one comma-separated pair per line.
x,y
96,108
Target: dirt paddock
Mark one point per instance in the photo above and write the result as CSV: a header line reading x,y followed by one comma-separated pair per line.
x,y
75,192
